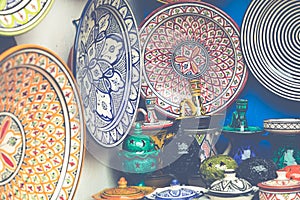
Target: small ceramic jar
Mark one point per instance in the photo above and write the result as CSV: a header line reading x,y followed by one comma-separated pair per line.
x,y
279,188
231,187
138,154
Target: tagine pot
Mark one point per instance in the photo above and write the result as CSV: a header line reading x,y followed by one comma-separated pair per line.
x,y
279,188
120,192
231,188
138,154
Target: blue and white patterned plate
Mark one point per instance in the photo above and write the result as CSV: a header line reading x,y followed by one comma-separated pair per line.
x,y
107,69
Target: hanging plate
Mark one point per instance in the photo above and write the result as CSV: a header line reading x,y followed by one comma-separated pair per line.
x,y
19,16
270,39
107,69
185,41
41,126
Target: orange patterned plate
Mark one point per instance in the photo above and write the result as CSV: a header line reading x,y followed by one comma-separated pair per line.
x,y
41,126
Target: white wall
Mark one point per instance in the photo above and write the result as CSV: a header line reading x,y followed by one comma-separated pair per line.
x,y
57,33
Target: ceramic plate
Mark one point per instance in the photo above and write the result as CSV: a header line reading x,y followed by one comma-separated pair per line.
x,y
270,39
41,126
172,1
187,41
107,69
18,16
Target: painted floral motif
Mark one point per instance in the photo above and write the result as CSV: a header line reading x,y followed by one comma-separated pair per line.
x,y
190,60
108,71
10,141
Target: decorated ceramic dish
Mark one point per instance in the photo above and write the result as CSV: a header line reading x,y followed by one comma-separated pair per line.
x,y
41,125
270,43
279,188
19,16
107,69
191,41
172,1
177,191
282,126
231,187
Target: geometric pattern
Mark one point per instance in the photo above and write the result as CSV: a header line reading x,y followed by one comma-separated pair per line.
x,y
271,45
41,126
107,69
186,41
17,16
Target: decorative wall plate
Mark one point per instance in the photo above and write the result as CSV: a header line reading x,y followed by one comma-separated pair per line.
x,y
173,1
41,126
186,41
270,43
18,16
107,69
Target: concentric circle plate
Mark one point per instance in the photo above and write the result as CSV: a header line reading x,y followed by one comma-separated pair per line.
x,y
18,16
270,39
41,126
107,69
186,41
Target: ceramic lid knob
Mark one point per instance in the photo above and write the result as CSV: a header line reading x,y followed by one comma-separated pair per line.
x,y
122,183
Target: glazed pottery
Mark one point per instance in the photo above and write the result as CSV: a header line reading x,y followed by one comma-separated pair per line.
x,y
231,187
121,192
213,168
42,126
19,16
138,153
177,46
107,69
256,170
279,188
177,191
272,59
282,126
293,172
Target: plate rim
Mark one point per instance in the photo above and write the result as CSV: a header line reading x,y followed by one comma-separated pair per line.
x,y
66,71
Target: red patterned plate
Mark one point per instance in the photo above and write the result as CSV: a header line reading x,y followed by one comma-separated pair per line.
x,y
41,126
190,40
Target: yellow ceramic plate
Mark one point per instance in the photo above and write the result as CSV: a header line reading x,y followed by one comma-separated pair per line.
x,y
19,16
41,126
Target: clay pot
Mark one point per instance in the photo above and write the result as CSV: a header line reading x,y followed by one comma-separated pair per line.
x,y
231,187
279,188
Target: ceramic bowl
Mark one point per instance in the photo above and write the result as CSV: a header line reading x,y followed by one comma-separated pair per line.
x,y
279,188
231,187
159,180
282,126
177,191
